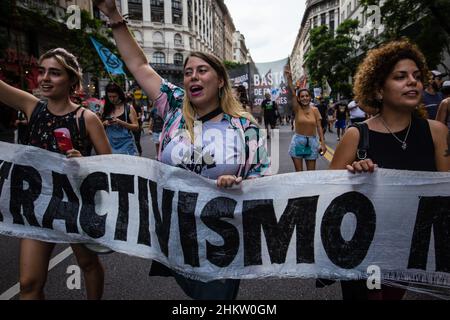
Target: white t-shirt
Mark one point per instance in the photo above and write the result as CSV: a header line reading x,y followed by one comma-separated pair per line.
x,y
355,111
221,153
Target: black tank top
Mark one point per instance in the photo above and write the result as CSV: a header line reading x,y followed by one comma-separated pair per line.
x,y
387,152
42,124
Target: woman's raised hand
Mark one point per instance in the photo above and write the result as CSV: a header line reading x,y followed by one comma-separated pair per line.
x,y
108,7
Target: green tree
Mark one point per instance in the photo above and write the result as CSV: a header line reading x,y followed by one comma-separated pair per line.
x,y
425,22
76,40
229,65
333,57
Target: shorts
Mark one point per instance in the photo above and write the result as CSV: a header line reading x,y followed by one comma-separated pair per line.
x,y
341,124
155,137
298,139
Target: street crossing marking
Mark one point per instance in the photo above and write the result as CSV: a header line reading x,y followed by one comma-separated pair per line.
x,y
15,289
329,154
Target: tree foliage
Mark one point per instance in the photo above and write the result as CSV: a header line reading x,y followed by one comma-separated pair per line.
x,y
333,57
229,65
56,34
425,22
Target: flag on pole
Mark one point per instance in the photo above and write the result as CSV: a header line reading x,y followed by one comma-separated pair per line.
x,y
112,64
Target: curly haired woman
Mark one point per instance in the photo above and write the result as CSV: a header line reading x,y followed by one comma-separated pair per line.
x,y
389,84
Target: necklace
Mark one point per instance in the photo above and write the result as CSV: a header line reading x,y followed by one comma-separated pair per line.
x,y
403,142
211,115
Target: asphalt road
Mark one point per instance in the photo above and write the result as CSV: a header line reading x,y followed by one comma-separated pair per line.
x,y
127,277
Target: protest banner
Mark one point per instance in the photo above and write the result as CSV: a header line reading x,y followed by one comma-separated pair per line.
x,y
327,224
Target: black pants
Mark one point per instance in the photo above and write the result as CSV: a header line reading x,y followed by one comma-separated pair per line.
x,y
137,139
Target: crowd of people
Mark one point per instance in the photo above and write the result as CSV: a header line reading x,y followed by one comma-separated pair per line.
x,y
394,102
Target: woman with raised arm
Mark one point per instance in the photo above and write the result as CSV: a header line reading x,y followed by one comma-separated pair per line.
x,y
389,83
232,148
59,76
308,124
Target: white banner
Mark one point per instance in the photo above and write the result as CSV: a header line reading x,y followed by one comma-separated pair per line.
x,y
327,224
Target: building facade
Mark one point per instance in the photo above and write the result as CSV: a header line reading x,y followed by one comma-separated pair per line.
x,y
317,13
240,51
168,30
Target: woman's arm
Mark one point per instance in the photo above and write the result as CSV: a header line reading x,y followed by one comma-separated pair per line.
x,y
17,99
131,53
440,136
96,133
442,113
320,129
134,125
345,154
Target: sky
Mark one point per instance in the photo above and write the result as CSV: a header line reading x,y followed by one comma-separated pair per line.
x,y
269,26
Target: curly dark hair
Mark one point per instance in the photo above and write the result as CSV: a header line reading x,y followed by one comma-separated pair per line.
x,y
376,67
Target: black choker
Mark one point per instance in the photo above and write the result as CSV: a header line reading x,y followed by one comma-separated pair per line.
x,y
211,115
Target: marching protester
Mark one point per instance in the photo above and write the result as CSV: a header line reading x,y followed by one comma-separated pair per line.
x,y
59,76
207,99
356,114
269,109
137,106
390,80
155,128
330,117
308,124
443,114
119,119
341,114
322,106
432,97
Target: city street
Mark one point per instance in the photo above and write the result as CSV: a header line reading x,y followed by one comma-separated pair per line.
x,y
127,277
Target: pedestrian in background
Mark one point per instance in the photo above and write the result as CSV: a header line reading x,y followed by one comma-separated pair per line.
x,y
155,128
356,114
341,115
443,114
269,108
59,76
308,124
119,120
137,106
390,80
432,97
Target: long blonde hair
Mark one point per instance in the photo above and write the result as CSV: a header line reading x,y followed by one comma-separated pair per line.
x,y
227,101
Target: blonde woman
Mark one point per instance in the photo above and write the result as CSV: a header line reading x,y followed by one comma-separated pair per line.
x,y
231,148
59,76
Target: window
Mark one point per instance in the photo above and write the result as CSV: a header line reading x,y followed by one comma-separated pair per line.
x,y
157,10
176,4
177,19
135,9
178,59
178,40
323,19
331,22
159,58
158,38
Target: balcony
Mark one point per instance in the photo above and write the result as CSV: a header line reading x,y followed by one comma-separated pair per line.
x,y
158,44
